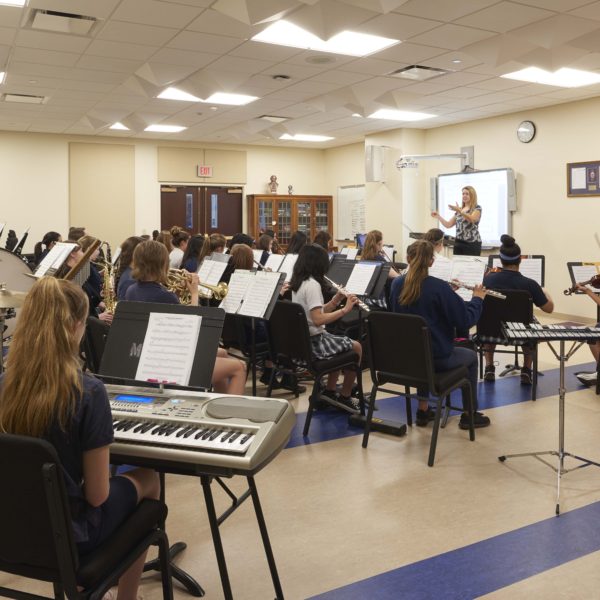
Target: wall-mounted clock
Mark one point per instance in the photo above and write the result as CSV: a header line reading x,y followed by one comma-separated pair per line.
x,y
526,131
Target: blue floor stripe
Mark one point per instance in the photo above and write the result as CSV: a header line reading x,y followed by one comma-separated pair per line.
x,y
332,425
486,566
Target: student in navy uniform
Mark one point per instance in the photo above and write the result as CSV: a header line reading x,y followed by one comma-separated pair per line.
x,y
191,257
509,278
48,240
123,278
44,394
444,311
264,243
150,269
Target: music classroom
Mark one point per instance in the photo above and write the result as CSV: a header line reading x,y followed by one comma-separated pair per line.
x,y
235,235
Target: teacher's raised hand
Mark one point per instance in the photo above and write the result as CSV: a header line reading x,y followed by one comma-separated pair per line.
x,y
455,207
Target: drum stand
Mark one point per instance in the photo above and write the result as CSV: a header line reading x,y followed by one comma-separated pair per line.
x,y
560,453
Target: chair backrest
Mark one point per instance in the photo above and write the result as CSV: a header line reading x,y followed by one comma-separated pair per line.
x,y
94,342
400,346
34,512
517,307
288,334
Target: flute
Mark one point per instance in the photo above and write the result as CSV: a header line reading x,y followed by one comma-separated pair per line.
x,y
341,288
493,293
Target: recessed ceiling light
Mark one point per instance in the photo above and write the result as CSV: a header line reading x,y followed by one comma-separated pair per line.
x,y
119,126
284,33
273,118
457,61
399,115
356,115
12,2
172,93
418,73
232,99
2,75
61,22
305,137
25,98
165,128
564,77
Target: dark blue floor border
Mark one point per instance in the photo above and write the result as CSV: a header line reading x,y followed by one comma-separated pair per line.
x,y
332,425
481,568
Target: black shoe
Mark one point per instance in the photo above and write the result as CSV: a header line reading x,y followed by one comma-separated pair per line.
x,y
425,416
587,378
348,403
490,373
479,420
266,376
526,376
290,382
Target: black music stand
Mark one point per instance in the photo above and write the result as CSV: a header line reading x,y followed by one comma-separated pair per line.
x,y
523,333
119,365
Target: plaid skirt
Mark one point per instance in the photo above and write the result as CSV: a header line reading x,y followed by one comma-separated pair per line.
x,y
325,345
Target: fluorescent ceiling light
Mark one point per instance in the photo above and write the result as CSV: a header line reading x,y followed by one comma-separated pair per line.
x,y
233,99
2,75
284,33
399,115
119,126
165,128
12,2
172,93
564,77
305,137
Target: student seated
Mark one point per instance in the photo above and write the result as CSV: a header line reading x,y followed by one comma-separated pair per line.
x,y
44,394
307,290
509,278
150,270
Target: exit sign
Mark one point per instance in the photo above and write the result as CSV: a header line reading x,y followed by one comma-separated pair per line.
x,y
205,171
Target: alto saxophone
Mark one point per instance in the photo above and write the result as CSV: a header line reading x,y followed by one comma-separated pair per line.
x,y
108,288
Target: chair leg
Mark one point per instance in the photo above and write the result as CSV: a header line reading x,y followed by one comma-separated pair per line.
x,y
361,395
434,433
165,567
409,419
469,393
59,592
312,401
446,412
534,373
369,416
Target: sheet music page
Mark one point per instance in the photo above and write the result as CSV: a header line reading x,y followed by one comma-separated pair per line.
x,y
169,348
585,273
287,266
215,272
388,253
345,250
532,268
469,270
360,277
441,268
274,262
238,284
259,294
352,253
116,256
55,258
257,255
496,263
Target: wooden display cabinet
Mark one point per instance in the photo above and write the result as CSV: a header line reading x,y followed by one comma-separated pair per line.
x,y
287,214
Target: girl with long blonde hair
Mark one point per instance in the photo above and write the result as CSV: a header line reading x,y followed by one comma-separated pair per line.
x,y
45,394
444,311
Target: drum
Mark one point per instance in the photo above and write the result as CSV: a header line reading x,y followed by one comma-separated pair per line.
x,y
17,276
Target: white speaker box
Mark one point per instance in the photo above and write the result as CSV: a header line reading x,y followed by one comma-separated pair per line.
x,y
374,163
511,191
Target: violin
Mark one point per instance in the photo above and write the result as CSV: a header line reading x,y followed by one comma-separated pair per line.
x,y
594,282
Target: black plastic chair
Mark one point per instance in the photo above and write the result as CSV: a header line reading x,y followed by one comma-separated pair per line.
x,y
290,345
517,307
400,347
94,342
37,537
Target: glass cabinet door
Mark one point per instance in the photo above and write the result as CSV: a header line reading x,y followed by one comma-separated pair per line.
x,y
284,221
265,215
304,210
321,216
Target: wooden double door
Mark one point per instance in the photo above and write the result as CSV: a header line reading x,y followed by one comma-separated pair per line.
x,y
201,209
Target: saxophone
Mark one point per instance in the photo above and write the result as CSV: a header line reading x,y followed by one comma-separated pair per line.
x,y
108,287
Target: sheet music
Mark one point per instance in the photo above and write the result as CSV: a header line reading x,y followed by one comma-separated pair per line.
x,y
274,262
259,294
2,226
211,271
344,251
584,273
257,255
352,253
238,284
287,266
529,267
469,270
169,348
388,253
57,255
116,256
441,268
360,278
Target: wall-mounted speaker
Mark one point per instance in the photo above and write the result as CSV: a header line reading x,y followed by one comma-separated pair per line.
x,y
511,191
433,193
374,163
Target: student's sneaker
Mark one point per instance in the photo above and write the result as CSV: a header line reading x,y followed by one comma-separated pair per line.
x,y
587,378
348,403
479,420
425,416
489,373
289,381
526,376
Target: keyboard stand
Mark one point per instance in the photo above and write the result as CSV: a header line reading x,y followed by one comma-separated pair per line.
x,y
215,521
562,357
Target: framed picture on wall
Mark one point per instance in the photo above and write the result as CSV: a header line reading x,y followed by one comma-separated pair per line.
x,y
583,178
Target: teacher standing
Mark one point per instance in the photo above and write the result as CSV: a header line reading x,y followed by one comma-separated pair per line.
x,y
466,218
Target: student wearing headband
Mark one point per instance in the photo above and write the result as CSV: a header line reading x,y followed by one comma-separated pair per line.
x,y
509,278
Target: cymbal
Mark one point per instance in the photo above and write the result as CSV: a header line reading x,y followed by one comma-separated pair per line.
x,y
10,299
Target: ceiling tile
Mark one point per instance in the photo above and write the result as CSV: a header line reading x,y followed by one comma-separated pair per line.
x,y
555,31
119,31
211,20
10,16
261,51
398,27
153,12
51,41
101,63
504,16
7,35
412,54
556,5
90,8
171,56
203,42
45,57
237,64
452,37
442,9
112,49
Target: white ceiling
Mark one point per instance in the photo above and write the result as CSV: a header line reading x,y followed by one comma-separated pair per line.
x,y
139,47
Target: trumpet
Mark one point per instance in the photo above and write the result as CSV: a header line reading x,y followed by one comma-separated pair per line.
x,y
177,283
493,293
341,288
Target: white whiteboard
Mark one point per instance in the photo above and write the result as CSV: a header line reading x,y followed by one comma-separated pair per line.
x,y
351,212
492,194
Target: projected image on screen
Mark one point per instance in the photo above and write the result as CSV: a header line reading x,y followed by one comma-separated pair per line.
x,y
492,196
